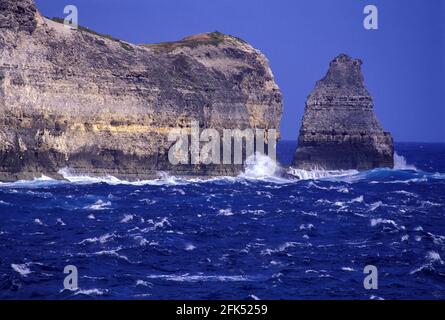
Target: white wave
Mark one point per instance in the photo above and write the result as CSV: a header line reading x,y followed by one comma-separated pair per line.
x,y
127,218
144,283
376,222
262,167
200,277
400,163
254,212
39,194
164,179
91,292
99,205
311,271
341,206
38,221
434,257
323,201
264,194
102,239
148,201
180,191
189,247
357,200
160,224
406,193
430,204
376,298
309,226
437,239
312,214
144,242
375,205
413,180
36,182
257,167
83,179
348,269
22,269
320,173
343,190
283,248
110,253
225,212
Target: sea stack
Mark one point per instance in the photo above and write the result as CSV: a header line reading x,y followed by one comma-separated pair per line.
x,y
340,130
101,106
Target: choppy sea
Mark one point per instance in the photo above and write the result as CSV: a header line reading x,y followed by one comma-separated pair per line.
x,y
266,234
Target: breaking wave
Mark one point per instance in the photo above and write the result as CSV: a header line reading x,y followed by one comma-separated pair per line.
x,y
258,168
262,167
320,174
400,163
202,278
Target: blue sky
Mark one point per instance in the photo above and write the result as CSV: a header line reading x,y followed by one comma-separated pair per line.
x,y
404,60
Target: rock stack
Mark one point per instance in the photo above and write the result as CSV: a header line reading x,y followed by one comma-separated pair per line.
x,y
340,130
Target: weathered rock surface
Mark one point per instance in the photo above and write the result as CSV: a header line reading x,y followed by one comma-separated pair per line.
x,y
97,105
340,130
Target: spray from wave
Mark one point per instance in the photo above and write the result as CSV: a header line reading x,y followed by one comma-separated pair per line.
x,y
262,167
258,167
320,174
163,179
400,163
36,182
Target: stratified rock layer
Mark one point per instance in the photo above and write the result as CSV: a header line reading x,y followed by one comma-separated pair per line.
x,y
340,130
97,105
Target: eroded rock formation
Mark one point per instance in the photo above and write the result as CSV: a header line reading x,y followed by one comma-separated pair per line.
x,y
339,129
97,105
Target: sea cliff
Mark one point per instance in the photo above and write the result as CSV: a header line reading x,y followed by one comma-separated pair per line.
x,y
101,106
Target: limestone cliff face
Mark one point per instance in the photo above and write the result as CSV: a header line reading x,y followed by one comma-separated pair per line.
x,y
340,129
73,98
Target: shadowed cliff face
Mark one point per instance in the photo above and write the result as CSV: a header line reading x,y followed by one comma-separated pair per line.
x,y
340,130
73,98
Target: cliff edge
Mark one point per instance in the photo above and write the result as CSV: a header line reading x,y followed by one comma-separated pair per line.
x,y
340,130
98,105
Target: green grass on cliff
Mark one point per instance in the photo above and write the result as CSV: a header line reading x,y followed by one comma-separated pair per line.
x,y
212,38
106,36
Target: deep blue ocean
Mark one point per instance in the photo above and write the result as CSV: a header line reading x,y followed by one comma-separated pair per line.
x,y
266,234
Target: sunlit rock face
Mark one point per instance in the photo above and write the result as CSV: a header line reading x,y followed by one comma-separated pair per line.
x,y
340,130
97,105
